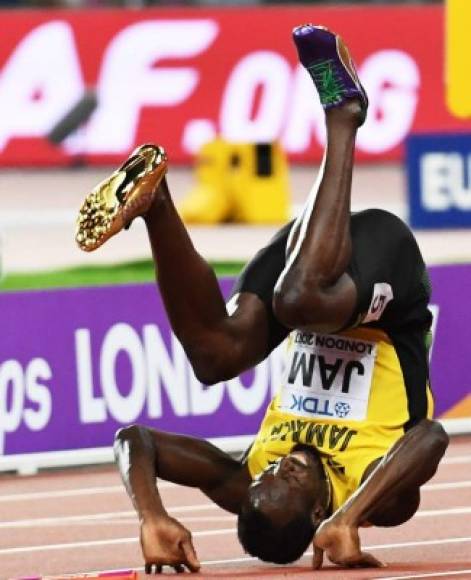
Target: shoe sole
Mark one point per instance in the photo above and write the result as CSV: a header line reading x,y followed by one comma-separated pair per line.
x,y
125,195
346,62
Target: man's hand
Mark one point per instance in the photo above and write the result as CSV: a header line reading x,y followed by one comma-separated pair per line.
x,y
165,542
341,543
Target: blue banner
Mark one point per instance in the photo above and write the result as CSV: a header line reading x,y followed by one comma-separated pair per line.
x,y
439,180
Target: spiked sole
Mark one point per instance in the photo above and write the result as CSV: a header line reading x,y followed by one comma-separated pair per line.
x,y
125,195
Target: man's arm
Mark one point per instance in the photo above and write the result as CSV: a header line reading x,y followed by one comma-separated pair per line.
x,y
142,454
229,342
410,462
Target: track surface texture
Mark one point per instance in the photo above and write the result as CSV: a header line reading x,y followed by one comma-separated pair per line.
x,y
78,521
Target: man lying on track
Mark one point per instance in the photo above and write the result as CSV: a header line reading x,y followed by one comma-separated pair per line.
x,y
348,441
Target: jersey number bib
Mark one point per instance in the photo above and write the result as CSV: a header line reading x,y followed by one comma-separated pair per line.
x,y
328,377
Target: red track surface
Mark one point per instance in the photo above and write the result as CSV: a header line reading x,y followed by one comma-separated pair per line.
x,y
81,521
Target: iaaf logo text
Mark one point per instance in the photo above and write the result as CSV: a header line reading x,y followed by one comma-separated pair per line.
x,y
263,97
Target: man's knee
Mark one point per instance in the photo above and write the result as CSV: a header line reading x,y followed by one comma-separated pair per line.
x,y
302,299
312,303
397,511
297,305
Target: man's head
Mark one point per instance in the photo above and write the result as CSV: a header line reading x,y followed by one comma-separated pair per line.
x,y
285,504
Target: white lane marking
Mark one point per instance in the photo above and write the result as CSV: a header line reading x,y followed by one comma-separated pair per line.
x,y
162,485
96,543
377,547
457,511
59,520
166,485
241,559
428,575
456,459
253,559
205,533
183,520
419,543
112,520
36,495
446,485
130,516
133,521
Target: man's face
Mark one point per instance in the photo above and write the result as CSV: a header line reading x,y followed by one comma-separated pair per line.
x,y
289,486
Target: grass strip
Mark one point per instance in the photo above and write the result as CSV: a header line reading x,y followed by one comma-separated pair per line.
x,y
137,272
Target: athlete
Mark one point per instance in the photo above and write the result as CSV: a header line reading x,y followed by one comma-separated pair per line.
x,y
349,439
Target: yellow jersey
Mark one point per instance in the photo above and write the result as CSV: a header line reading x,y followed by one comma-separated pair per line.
x,y
343,394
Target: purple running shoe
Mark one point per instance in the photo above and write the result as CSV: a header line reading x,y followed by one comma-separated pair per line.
x,y
328,61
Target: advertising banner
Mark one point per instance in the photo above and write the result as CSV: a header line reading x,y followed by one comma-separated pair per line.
x,y
75,365
450,377
180,77
439,180
78,364
458,46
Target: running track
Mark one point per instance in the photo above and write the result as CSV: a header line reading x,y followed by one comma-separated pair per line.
x,y
82,521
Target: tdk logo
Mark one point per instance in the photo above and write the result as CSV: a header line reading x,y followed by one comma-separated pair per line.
x,y
439,168
318,406
310,405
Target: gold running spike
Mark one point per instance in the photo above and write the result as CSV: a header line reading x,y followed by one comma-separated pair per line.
x,y
125,195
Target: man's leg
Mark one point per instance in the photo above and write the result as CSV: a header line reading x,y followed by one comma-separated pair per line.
x,y
398,509
219,344
189,287
313,291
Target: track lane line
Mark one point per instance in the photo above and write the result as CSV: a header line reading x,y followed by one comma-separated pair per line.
x,y
106,517
200,534
446,485
97,543
35,495
456,511
454,459
101,516
168,485
130,518
426,575
243,559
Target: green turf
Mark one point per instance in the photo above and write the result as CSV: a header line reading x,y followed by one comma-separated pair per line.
x,y
124,273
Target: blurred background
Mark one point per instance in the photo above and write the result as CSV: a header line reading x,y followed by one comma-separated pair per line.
x,y
218,85
137,4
